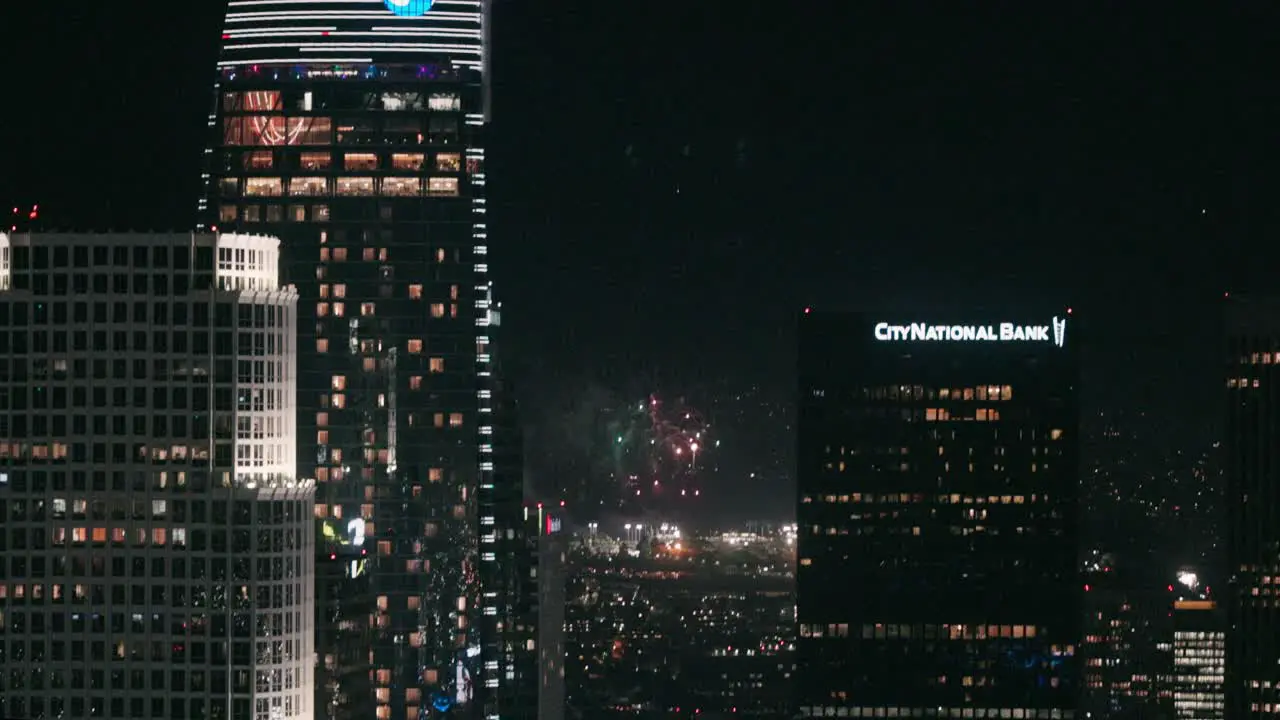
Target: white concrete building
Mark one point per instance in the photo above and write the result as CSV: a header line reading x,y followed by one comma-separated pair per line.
x,y
156,545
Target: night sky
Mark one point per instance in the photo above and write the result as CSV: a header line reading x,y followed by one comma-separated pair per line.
x,y
671,182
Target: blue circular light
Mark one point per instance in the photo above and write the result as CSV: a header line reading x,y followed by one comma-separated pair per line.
x,y
409,8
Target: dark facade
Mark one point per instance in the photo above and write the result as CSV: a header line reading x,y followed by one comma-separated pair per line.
x,y
354,131
937,515
509,581
1252,458
552,548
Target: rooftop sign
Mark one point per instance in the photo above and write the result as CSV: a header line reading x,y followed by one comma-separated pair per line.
x,y
1055,332
409,8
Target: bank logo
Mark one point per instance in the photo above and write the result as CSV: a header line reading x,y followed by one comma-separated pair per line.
x,y
1059,331
409,8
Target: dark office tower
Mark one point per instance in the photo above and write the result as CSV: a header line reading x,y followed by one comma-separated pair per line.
x,y
1251,454
354,131
552,549
937,515
511,689
157,546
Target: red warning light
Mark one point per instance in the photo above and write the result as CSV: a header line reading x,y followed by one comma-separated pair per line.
x,y
1068,311
1086,588
808,310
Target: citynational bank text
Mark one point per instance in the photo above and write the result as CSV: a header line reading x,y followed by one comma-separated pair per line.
x,y
1055,332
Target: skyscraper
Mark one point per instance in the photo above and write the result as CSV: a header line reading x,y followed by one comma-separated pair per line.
x,y
157,546
354,130
1198,659
937,516
1251,450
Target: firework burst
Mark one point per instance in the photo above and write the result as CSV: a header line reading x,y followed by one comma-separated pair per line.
x,y
660,447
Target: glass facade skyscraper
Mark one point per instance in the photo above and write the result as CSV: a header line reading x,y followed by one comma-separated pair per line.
x,y
157,549
354,131
937,517
1252,453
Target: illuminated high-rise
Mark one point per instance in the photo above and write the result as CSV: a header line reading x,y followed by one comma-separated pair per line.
x,y
937,538
157,551
354,131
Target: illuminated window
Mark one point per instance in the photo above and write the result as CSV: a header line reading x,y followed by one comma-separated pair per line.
x,y
438,420
338,401
308,186
444,101
368,255
401,187
437,310
356,186
366,309
370,364
339,255
448,162
263,187
415,292
320,213
315,161
322,437
226,213
436,365
442,187
322,309
415,382
415,346
360,161
408,161
259,160
322,419
340,290
339,309
435,475
455,420
338,382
